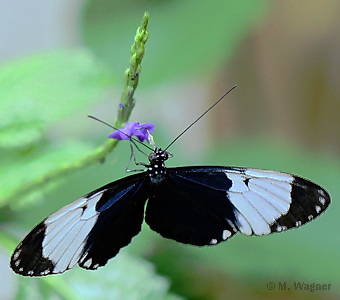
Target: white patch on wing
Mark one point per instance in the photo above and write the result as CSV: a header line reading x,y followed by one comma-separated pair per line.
x,y
54,235
232,225
298,223
322,193
96,266
322,200
282,190
16,254
278,176
67,230
281,228
238,185
258,225
225,234
213,242
260,197
242,224
45,272
88,263
66,209
279,202
268,211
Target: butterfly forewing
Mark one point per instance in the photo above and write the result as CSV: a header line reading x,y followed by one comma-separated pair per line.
x,y
309,201
207,205
88,231
269,201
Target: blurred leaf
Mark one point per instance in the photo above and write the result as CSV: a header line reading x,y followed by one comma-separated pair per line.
x,y
16,173
36,92
46,87
125,277
44,289
192,276
20,134
187,38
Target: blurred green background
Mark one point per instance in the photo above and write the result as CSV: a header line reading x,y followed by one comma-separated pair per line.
x,y
62,60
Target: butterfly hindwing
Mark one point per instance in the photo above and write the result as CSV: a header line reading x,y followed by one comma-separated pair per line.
x,y
190,206
210,204
88,231
121,218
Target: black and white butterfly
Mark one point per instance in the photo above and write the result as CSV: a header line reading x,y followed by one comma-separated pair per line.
x,y
198,205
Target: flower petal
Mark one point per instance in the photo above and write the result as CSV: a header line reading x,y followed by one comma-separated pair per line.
x,y
133,129
141,131
125,133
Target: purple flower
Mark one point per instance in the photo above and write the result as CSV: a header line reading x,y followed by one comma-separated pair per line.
x,y
133,129
121,105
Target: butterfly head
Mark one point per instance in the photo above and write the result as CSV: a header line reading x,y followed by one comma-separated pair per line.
x,y
158,156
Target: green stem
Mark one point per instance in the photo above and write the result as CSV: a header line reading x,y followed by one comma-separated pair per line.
x,y
124,111
132,73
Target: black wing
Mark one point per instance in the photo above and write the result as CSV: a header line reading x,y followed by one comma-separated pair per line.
x,y
88,231
207,205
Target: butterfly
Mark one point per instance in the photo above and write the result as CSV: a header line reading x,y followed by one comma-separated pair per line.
x,y
197,205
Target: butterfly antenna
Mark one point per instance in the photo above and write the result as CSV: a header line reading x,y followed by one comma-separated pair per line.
x,y
200,117
130,137
101,121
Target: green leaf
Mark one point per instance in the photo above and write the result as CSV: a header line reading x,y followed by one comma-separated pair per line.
x,y
15,174
20,134
46,87
124,277
36,93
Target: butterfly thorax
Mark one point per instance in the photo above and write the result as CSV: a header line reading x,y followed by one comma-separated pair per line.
x,y
156,168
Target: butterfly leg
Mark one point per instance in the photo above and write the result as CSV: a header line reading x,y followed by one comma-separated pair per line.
x,y
132,155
